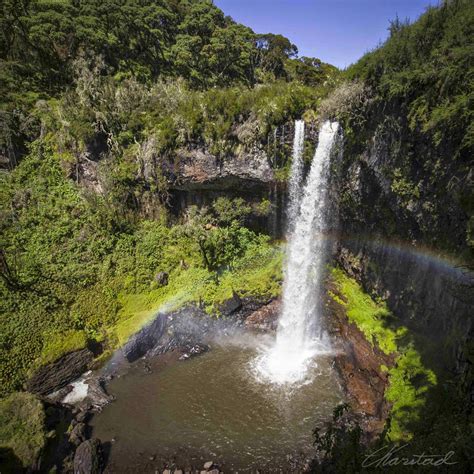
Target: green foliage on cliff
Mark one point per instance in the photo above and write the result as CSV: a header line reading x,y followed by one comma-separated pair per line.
x,y
22,430
122,114
73,270
369,316
428,68
257,273
408,103
409,379
144,40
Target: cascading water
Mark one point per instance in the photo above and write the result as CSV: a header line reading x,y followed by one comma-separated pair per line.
x,y
296,175
299,334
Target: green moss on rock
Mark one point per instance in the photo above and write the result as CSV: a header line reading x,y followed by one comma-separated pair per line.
x,y
409,379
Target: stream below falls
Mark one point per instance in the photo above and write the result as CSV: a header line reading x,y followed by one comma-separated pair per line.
x,y
213,407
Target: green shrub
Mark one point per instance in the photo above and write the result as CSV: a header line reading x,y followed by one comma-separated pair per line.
x,y
75,273
22,427
57,344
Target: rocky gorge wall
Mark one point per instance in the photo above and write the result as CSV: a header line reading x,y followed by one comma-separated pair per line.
x,y
195,176
403,234
399,226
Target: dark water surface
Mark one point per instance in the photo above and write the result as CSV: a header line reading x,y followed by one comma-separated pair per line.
x,y
212,408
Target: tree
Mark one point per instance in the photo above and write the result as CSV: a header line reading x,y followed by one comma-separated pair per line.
x,y
273,51
229,55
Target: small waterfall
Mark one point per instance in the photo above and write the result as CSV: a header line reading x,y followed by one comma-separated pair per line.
x,y
299,333
296,175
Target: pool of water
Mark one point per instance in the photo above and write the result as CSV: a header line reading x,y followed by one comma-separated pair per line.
x,y
212,407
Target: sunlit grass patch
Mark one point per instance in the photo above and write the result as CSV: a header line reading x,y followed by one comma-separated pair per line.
x,y
59,343
257,273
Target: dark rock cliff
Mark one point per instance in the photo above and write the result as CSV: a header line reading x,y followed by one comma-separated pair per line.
x,y
195,176
403,230
59,373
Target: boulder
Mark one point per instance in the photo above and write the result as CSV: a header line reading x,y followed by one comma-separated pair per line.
x,y
82,416
97,398
60,373
231,305
264,318
78,434
161,278
194,350
87,459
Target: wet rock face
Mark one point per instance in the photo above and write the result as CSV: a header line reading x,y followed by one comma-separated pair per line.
x,y
425,295
60,373
141,342
198,169
389,185
189,330
265,318
393,206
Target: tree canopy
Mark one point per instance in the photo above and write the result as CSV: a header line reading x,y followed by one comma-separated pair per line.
x,y
41,42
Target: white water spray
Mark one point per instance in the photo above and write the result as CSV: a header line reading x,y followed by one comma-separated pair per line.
x,y
295,185
299,333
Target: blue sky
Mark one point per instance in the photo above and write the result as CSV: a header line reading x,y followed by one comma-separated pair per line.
x,y
336,31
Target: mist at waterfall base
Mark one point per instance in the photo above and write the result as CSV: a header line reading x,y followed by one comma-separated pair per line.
x,y
300,337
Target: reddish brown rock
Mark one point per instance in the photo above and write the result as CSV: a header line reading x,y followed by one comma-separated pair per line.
x,y
359,362
264,318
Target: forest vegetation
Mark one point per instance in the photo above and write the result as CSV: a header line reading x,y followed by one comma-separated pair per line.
x,y
79,267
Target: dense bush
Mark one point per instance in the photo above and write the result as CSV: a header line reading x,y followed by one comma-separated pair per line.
x,y
41,43
69,263
176,116
22,431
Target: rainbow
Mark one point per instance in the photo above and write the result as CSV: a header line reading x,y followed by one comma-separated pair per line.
x,y
412,252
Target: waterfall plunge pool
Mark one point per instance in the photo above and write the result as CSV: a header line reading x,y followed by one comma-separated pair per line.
x,y
246,406
212,407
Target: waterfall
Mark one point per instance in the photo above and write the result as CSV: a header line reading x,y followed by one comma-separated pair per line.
x,y
296,175
299,333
